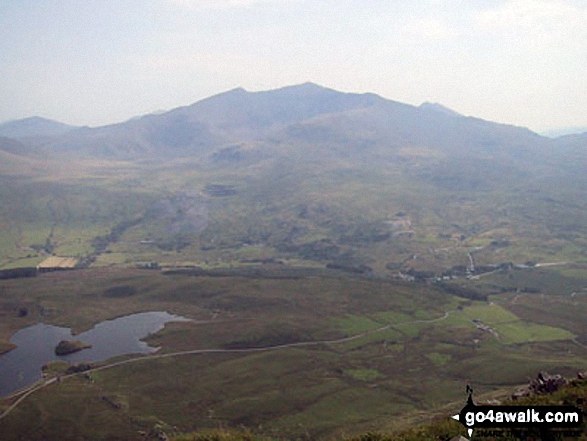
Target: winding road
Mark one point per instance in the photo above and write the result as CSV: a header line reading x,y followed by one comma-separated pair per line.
x,y
31,390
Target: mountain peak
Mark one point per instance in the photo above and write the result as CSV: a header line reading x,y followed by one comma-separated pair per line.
x,y
34,126
302,89
435,107
237,90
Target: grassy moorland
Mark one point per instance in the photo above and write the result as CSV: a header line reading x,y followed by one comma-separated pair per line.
x,y
412,251
421,350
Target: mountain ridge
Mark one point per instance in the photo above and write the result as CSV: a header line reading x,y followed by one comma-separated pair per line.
x,y
272,116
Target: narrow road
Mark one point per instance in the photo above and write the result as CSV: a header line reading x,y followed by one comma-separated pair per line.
x,y
31,390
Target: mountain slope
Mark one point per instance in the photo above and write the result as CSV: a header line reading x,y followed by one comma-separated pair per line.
x,y
239,110
34,126
229,117
305,114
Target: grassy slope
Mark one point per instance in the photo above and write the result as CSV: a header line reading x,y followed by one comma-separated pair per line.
x,y
441,429
575,393
322,390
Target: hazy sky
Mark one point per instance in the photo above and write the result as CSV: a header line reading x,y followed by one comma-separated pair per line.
x,y
94,62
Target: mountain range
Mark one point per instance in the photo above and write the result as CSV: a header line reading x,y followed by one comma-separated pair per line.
x,y
403,250
305,114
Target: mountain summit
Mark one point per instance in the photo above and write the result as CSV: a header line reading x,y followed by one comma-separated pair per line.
x,y
33,126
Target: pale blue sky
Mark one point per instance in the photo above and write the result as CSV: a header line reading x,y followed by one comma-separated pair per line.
x,y
95,62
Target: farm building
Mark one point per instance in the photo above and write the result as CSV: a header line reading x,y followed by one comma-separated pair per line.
x,y
56,263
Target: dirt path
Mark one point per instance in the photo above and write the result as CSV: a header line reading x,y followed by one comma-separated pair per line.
x,y
31,390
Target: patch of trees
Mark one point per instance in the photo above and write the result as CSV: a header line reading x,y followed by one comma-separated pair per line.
x,y
393,266
277,334
420,274
364,238
320,250
365,234
47,248
266,272
360,269
86,261
17,273
461,291
115,404
177,242
100,243
79,367
480,269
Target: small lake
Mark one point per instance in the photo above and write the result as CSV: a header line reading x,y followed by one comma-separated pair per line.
x,y
36,344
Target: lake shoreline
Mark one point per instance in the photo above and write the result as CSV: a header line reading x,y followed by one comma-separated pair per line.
x,y
6,347
21,365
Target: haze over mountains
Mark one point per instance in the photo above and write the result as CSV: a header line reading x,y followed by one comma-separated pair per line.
x,y
311,126
306,114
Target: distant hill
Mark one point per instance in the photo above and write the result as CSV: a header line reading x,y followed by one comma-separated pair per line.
x,y
557,133
12,162
310,123
303,114
34,126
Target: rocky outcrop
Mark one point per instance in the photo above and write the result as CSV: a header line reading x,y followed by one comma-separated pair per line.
x,y
70,346
544,383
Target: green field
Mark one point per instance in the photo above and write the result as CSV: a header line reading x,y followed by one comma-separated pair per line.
x,y
421,361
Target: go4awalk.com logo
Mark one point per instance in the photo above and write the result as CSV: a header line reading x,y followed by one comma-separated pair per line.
x,y
567,419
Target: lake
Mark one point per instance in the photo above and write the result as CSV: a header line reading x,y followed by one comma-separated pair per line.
x,y
36,344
